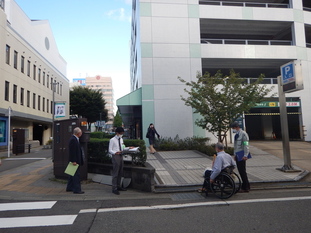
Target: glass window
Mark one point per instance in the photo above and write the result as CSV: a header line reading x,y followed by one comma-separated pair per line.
x,y
51,106
43,104
34,101
28,99
22,96
22,64
43,78
14,94
34,72
28,68
7,91
39,75
47,105
7,54
15,59
39,102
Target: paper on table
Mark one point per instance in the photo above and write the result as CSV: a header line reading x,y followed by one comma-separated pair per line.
x,y
71,169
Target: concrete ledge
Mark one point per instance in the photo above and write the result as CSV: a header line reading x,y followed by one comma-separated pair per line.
x,y
142,178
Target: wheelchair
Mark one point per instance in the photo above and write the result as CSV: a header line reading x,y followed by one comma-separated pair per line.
x,y
225,184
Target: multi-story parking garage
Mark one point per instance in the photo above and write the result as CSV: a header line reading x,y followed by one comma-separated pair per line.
x,y
172,38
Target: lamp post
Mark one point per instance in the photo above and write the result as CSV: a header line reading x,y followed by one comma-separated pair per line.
x,y
53,115
9,130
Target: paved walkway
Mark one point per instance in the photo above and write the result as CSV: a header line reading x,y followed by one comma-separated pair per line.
x,y
182,168
35,180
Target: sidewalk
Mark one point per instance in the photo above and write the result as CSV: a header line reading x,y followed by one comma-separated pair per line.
x,y
185,168
35,180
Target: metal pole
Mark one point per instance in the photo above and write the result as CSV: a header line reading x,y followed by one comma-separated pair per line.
x,y
9,130
53,114
284,127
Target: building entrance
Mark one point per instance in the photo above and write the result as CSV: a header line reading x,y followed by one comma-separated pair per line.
x,y
263,122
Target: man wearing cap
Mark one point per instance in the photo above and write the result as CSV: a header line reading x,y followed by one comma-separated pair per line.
x,y
241,151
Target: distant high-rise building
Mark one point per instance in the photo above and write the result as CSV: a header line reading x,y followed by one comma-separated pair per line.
x,y
104,84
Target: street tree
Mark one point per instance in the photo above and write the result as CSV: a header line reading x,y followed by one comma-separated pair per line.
x,y
221,99
88,103
117,120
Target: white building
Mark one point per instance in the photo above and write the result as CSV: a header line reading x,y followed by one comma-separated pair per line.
x,y
29,64
172,38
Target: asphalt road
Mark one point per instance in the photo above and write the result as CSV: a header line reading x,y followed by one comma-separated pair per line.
x,y
258,211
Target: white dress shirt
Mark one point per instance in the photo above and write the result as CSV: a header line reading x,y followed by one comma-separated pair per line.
x,y
114,145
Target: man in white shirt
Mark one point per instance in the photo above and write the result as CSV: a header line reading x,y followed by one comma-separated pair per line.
x,y
116,146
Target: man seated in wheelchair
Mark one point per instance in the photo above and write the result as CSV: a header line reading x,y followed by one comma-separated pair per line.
x,y
222,161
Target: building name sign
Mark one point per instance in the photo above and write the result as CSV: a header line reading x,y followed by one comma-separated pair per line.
x,y
275,104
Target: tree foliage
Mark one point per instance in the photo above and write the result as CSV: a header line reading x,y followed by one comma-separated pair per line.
x,y
88,103
117,120
221,99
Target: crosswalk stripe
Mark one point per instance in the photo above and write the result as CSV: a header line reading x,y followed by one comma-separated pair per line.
x,y
9,159
27,205
37,221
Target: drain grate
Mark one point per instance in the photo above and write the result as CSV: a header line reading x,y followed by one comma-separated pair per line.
x,y
186,196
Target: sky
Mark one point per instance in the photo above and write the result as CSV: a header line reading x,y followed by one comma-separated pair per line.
x,y
92,36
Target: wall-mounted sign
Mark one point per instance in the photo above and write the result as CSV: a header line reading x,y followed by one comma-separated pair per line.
x,y
60,110
275,104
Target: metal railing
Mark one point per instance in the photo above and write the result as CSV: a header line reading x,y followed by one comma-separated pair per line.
x,y
265,80
244,4
246,42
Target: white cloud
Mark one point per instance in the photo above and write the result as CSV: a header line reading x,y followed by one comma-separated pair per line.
x,y
119,14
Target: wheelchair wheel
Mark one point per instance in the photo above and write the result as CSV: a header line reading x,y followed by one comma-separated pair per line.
x,y
223,186
237,181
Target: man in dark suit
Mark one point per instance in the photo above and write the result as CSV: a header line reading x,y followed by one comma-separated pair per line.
x,y
76,157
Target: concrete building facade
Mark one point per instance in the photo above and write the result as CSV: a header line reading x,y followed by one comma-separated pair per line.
x,y
30,66
178,38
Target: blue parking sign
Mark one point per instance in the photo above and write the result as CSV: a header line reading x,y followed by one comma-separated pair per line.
x,y
288,73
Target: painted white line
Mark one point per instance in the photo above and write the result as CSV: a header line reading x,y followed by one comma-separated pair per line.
x,y
187,205
27,205
23,159
87,211
37,221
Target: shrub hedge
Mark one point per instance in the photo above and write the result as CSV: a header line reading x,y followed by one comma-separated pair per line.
x,y
98,150
190,143
101,135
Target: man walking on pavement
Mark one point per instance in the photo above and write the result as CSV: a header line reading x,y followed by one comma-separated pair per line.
x,y
76,157
241,152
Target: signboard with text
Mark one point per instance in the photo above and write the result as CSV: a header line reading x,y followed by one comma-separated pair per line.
x,y
60,110
291,76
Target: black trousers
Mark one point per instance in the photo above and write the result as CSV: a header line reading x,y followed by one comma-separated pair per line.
x,y
242,170
74,183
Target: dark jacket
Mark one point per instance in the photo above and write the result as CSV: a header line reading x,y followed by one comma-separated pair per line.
x,y
152,132
75,151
